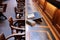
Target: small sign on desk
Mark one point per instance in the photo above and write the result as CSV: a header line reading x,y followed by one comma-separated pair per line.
x,y
31,15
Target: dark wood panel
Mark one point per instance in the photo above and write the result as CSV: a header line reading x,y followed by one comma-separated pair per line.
x,y
55,3
56,20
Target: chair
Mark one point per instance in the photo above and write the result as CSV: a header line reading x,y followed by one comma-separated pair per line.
x,y
2,16
20,0
20,28
4,6
16,24
19,12
2,10
16,36
20,9
20,3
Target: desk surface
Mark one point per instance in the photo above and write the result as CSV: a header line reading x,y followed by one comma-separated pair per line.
x,y
38,31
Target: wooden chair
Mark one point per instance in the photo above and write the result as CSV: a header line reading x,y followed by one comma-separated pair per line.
x,y
16,36
4,6
21,5
20,9
16,24
20,0
2,16
2,10
17,29
19,12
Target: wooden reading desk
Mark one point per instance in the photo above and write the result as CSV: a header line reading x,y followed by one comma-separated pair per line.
x,y
39,31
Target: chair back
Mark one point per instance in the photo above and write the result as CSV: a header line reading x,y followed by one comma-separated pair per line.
x,y
10,21
2,37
